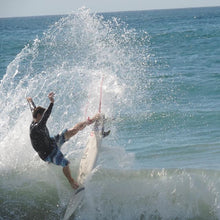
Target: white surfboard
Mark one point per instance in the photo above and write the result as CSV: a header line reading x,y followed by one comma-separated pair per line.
x,y
74,202
87,164
90,154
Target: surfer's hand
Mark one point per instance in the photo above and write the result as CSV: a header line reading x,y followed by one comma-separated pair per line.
x,y
51,96
29,99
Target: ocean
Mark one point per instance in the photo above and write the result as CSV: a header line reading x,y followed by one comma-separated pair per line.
x,y
160,93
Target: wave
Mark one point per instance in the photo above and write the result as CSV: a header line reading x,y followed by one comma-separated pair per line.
x,y
152,194
117,194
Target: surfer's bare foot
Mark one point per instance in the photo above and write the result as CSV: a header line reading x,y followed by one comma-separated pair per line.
x,y
74,184
93,119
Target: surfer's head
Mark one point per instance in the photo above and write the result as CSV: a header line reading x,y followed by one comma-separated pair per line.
x,y
38,112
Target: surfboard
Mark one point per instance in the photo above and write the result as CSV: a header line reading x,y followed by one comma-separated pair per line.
x,y
90,154
87,163
74,202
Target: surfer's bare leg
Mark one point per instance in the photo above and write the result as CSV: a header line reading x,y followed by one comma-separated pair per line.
x,y
80,126
67,173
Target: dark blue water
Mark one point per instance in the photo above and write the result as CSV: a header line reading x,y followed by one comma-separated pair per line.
x,y
161,93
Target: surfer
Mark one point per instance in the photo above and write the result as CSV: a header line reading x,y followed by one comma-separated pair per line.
x,y
48,148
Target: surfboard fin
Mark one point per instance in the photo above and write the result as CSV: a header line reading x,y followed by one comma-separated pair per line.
x,y
79,190
106,133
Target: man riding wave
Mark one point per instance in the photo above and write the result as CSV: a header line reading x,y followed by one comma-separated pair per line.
x,y
47,147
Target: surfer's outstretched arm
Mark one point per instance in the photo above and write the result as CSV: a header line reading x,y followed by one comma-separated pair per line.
x,y
80,126
31,104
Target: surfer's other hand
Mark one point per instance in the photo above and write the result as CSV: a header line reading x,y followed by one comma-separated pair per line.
x,y
51,96
29,99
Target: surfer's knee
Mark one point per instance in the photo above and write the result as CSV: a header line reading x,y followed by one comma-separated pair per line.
x,y
67,164
69,133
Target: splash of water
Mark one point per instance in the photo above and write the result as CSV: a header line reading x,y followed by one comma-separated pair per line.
x,y
70,59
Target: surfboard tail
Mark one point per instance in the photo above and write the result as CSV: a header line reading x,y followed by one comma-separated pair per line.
x,y
74,202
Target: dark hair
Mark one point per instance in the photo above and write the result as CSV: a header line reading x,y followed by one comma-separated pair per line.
x,y
39,110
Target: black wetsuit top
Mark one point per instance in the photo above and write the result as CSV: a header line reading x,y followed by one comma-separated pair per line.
x,y
39,134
